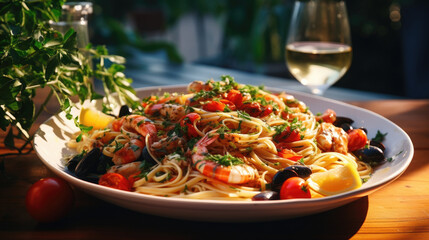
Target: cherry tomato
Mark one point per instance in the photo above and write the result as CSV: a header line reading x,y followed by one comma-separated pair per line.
x,y
235,97
266,110
214,106
357,139
289,154
228,103
253,108
146,102
288,135
115,180
188,122
133,177
329,116
294,187
49,199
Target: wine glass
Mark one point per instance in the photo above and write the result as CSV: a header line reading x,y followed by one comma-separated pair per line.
x,y
318,46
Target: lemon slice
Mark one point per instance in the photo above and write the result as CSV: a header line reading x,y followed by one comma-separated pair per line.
x,y
337,180
94,118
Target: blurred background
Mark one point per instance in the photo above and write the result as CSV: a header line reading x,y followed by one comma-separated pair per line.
x,y
390,38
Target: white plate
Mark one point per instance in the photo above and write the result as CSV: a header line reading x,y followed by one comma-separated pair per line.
x,y
50,145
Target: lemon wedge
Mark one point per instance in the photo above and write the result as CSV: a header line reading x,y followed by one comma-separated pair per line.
x,y
94,118
337,180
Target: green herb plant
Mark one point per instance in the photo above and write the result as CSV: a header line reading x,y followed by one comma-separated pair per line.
x,y
34,56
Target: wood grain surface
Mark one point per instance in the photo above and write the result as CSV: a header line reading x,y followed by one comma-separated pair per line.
x,y
397,211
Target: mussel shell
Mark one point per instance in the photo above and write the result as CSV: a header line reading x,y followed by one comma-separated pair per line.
x,y
266,195
89,163
145,156
371,154
302,171
104,163
341,120
124,111
377,144
280,177
346,127
71,165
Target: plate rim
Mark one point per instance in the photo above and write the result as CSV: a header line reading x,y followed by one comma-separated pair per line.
x,y
363,191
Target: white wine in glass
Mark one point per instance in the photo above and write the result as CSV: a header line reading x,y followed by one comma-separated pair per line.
x,y
318,49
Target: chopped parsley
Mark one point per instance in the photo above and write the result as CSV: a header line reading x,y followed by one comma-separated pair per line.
x,y
379,137
225,160
244,115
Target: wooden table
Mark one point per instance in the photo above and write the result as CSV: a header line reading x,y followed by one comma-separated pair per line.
x,y
398,211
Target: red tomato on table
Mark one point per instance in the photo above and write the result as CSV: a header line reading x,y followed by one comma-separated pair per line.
x,y
49,199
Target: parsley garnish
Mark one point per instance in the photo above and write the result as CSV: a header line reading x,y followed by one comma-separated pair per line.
x,y
379,137
244,115
225,160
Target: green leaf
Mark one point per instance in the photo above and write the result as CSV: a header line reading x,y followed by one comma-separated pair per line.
x,y
9,90
52,66
70,41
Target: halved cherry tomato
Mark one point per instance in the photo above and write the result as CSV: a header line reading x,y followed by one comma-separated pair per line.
x,y
146,102
329,116
294,187
49,199
288,135
133,177
115,180
266,110
228,103
215,106
288,154
357,139
235,97
188,122
252,108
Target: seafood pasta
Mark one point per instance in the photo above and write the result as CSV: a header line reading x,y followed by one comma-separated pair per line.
x,y
224,140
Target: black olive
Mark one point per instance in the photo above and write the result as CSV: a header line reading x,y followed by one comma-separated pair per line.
x,y
124,111
302,171
371,154
89,163
266,195
377,144
280,177
341,120
104,163
346,127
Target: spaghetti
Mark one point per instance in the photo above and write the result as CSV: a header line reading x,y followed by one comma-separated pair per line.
x,y
222,140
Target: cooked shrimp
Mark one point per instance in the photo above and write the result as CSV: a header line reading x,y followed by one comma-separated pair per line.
x,y
129,152
172,112
331,138
236,174
291,101
126,169
277,100
167,145
197,86
137,123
